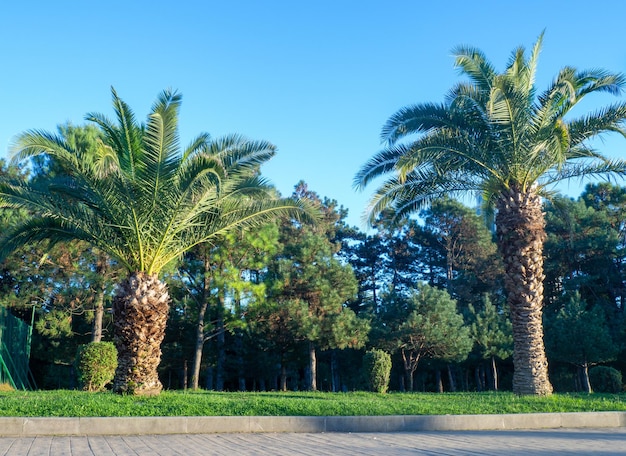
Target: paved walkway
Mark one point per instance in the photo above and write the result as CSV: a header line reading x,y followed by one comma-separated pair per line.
x,y
511,443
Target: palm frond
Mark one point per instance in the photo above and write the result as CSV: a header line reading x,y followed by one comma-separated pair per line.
x,y
379,165
126,137
417,190
161,146
413,120
237,150
572,170
197,145
494,132
599,80
604,120
473,62
33,143
237,214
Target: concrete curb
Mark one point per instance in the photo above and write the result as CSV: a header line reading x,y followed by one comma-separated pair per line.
x,y
92,426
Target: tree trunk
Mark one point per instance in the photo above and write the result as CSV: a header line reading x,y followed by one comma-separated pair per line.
x,y
521,231
479,383
409,381
199,345
220,339
101,269
374,297
241,371
239,348
438,381
494,373
584,377
283,377
98,317
334,374
312,368
410,361
451,379
140,310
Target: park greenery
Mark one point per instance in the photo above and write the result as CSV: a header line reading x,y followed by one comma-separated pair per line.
x,y
63,403
204,277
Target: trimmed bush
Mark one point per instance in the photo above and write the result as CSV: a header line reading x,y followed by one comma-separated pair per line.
x,y
96,364
605,379
377,369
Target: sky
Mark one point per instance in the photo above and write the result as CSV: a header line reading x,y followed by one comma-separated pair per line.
x,y
317,78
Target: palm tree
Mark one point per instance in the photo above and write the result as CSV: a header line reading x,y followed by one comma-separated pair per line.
x,y
497,136
144,201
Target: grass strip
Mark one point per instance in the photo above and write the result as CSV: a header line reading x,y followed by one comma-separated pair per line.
x,y
63,403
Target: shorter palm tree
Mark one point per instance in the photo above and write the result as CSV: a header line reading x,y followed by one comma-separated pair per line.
x,y
145,201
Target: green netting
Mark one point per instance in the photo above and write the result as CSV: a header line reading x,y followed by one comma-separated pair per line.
x,y
15,337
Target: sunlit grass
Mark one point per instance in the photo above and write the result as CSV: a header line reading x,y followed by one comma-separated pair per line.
x,y
176,403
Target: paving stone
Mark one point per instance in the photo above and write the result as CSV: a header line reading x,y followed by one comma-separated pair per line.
x,y
587,441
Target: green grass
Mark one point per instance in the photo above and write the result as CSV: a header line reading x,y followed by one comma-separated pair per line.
x,y
176,403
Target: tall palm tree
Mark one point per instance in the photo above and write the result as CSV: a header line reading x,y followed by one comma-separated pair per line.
x,y
496,135
144,201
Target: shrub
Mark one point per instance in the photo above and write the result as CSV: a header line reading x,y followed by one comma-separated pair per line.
x,y
377,368
96,364
605,379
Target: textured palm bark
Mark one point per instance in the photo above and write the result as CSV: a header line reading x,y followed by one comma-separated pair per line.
x,y
140,310
521,232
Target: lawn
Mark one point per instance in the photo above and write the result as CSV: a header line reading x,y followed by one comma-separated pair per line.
x,y
208,403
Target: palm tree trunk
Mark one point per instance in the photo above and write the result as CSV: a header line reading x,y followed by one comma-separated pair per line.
x,y
140,310
521,232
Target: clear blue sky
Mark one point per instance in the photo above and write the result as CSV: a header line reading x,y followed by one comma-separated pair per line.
x,y
317,78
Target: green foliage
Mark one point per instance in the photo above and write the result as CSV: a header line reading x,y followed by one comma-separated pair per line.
x,y
172,403
579,336
55,324
471,261
430,325
584,248
427,324
96,363
308,279
605,379
377,369
491,330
